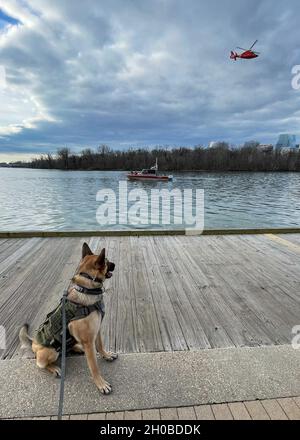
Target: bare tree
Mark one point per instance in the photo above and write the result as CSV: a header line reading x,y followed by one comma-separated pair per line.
x,y
63,157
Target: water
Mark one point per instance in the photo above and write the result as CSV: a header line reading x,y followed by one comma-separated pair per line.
x,y
66,200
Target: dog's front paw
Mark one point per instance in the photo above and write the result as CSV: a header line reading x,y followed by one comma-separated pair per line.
x,y
105,387
110,356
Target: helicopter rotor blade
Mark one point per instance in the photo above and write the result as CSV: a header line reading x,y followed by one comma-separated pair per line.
x,y
253,44
241,48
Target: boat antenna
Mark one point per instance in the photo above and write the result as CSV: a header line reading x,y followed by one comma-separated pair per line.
x,y
155,167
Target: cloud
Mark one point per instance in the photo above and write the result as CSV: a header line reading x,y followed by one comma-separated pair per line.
x,y
145,73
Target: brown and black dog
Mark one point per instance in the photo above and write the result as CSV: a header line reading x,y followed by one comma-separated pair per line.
x,y
90,276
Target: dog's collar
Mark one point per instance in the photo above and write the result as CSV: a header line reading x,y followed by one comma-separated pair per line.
x,y
85,290
81,289
89,277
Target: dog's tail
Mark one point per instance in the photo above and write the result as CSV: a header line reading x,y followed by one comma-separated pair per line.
x,y
24,337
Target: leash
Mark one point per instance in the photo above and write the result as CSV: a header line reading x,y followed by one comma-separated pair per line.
x,y
64,349
63,357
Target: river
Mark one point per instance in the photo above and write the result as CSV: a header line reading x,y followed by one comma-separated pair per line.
x,y
66,200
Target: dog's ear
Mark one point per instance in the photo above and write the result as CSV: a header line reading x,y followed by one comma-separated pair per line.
x,y
101,259
86,250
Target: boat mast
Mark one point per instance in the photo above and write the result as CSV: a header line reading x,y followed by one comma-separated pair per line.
x,y
155,167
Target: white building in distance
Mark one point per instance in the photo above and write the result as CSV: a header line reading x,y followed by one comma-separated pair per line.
x,y
266,148
287,141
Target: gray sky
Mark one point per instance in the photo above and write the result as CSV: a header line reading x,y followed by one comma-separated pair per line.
x,y
141,72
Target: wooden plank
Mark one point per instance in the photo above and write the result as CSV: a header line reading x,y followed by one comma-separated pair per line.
x,y
119,415
222,412
186,413
256,410
56,418
273,273
171,272
19,266
97,416
293,238
78,417
271,255
271,260
168,414
204,412
204,298
290,407
150,414
133,415
32,300
239,411
11,258
282,241
44,418
204,290
126,332
171,332
274,410
275,317
9,246
250,294
297,400
148,331
11,308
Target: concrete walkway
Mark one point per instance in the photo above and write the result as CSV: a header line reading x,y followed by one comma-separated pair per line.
x,y
154,380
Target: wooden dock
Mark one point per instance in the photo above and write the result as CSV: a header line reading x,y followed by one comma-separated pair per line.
x,y
168,293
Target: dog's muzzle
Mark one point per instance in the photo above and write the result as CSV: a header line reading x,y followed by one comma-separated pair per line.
x,y
110,269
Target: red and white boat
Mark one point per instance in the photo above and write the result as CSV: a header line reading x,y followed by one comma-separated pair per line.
x,y
148,174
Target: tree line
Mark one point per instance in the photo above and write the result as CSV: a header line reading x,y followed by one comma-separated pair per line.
x,y
221,157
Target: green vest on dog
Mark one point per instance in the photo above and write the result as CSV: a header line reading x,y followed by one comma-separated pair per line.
x,y
49,334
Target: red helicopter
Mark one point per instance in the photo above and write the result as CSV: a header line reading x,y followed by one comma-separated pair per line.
x,y
248,54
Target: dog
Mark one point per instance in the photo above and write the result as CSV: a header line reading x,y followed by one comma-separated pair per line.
x,y
84,312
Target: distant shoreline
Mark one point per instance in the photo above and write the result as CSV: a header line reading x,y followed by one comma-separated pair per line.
x,y
249,158
162,170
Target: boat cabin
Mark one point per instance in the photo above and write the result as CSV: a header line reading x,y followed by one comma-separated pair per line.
x,y
149,172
